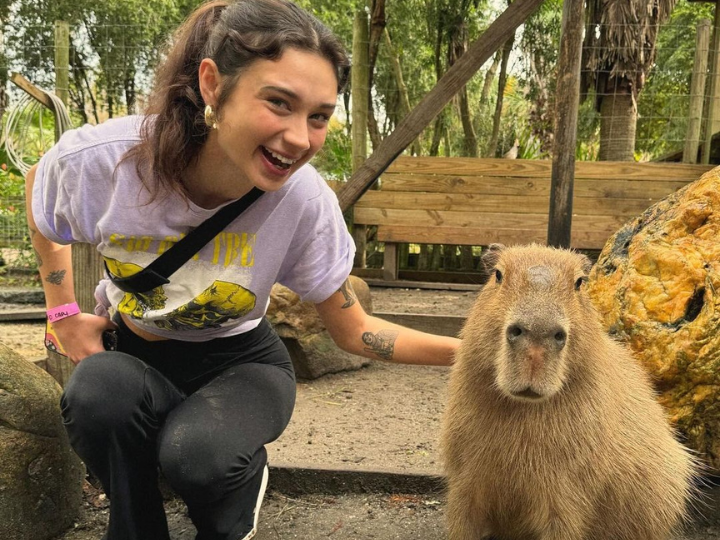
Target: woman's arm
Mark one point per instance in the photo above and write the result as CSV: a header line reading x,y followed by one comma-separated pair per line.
x,y
80,335
356,332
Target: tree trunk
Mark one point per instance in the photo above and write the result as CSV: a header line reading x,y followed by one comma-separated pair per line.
x,y
402,87
489,78
130,98
502,81
377,25
618,122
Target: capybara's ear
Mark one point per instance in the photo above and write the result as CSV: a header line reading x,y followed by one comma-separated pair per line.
x,y
490,257
586,263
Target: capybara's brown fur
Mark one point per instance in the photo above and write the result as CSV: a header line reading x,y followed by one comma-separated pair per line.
x,y
552,430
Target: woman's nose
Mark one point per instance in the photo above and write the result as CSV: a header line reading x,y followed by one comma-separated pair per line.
x,y
297,136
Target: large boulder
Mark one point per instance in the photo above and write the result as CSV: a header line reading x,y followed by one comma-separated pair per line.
x,y
311,348
657,286
40,476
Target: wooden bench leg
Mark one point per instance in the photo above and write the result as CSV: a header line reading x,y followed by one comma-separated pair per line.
x,y
390,262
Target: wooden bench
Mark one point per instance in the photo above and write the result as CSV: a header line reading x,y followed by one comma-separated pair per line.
x,y
478,202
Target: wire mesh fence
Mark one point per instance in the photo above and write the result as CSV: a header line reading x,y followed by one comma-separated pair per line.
x,y
642,109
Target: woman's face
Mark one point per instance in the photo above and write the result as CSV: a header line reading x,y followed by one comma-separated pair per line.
x,y
276,118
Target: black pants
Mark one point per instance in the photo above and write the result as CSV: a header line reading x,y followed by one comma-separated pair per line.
x,y
199,412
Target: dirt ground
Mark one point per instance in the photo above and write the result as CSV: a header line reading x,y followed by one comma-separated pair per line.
x,y
383,418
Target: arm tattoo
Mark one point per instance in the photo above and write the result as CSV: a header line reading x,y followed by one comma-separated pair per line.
x,y
382,343
56,277
347,291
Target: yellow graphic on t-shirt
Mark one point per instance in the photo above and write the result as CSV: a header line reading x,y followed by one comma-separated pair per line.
x,y
138,303
216,305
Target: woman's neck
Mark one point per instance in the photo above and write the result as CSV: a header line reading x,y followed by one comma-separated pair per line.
x,y
211,180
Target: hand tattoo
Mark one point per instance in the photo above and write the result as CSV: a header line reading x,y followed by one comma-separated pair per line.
x,y
56,277
347,291
382,343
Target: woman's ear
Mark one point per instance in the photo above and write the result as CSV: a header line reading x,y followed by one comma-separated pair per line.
x,y
209,78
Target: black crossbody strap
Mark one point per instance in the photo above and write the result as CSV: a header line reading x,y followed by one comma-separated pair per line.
x,y
158,272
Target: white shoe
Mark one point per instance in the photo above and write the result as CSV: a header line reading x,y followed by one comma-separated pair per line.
x,y
261,495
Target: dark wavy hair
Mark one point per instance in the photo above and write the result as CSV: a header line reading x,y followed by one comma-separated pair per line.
x,y
233,35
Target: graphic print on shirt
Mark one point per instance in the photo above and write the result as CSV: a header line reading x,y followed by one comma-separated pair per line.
x,y
135,305
220,302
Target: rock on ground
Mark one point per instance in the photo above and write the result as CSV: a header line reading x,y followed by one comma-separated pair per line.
x,y
657,285
40,476
311,348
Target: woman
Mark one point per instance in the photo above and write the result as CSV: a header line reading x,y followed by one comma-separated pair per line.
x,y
200,382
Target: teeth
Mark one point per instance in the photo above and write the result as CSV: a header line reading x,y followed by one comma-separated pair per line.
x,y
282,159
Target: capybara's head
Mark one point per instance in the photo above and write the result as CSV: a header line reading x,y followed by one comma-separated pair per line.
x,y
532,308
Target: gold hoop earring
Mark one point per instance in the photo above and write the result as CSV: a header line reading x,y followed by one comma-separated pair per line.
x,y
210,118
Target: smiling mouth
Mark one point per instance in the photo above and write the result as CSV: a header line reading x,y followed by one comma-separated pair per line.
x,y
279,161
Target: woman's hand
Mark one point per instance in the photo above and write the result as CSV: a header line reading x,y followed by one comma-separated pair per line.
x,y
81,335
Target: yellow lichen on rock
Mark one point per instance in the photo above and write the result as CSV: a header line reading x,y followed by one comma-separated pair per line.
x,y
657,287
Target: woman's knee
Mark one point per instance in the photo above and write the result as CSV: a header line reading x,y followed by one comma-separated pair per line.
x,y
198,468
103,387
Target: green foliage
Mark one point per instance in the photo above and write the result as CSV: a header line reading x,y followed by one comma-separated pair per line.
x,y
664,102
114,46
334,161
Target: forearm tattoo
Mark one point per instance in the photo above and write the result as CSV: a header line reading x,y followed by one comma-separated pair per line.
x,y
382,343
56,277
349,294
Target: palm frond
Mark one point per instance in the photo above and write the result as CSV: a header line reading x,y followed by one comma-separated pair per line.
x,y
620,40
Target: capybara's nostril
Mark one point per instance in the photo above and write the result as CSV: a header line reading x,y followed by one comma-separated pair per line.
x,y
513,332
560,337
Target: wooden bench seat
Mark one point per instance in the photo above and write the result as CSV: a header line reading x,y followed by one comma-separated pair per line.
x,y
478,202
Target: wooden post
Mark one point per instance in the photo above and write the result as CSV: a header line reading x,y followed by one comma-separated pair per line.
x,y
449,84
566,114
359,81
713,99
86,261
59,366
697,91
62,66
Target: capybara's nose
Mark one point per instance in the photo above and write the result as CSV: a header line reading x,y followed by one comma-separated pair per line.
x,y
514,332
517,331
560,337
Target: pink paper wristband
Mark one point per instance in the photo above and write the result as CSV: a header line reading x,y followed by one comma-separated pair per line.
x,y
62,312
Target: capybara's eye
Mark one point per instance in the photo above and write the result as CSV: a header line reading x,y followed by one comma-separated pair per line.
x,y
579,282
498,276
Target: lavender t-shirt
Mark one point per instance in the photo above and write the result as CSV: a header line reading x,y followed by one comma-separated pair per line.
x,y
295,236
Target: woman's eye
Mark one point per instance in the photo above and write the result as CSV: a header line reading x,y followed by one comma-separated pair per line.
x,y
279,103
321,118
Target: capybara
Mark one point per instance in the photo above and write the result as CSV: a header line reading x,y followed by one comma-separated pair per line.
x,y
552,430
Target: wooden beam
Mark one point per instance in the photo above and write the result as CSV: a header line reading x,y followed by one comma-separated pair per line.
x,y
697,92
541,169
429,107
390,262
36,93
713,99
566,114
440,325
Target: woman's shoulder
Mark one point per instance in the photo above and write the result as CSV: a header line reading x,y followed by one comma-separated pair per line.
x,y
112,136
308,185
